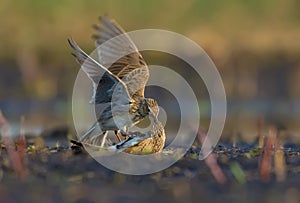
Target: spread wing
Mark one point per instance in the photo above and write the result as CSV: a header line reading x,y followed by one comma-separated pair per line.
x,y
117,51
110,84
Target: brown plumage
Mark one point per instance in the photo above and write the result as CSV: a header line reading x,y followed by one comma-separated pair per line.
x,y
150,142
119,79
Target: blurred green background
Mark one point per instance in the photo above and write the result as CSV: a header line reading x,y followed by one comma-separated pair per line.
x,y
254,44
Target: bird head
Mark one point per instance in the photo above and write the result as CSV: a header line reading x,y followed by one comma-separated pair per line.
x,y
149,107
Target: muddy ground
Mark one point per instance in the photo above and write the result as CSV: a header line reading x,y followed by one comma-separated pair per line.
x,y
60,174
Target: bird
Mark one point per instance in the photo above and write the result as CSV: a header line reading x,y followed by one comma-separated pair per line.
x,y
138,143
119,79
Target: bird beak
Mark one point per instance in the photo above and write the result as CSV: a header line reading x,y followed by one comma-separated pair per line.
x,y
152,115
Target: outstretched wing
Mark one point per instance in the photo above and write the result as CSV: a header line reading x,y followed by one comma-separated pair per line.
x,y
110,84
117,52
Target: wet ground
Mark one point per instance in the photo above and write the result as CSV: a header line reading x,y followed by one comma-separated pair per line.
x,y
60,174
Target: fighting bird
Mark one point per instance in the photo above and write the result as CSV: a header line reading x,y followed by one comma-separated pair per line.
x,y
119,79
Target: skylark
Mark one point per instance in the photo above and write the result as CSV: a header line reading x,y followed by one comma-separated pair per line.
x,y
144,143
119,79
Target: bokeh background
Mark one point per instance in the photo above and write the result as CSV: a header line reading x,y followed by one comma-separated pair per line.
x,y
254,44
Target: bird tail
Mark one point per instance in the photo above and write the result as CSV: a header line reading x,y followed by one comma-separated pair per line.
x,y
93,136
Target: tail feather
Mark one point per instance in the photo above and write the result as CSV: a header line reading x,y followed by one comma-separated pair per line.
x,y
93,135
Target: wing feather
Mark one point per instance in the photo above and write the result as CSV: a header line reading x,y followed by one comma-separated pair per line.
x,y
105,83
113,46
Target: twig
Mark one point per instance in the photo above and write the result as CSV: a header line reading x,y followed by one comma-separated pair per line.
x,y
266,161
212,163
279,160
13,155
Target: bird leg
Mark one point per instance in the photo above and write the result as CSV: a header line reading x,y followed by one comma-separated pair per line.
x,y
125,135
117,135
103,139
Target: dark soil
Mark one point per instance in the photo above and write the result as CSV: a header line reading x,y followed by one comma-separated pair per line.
x,y
60,174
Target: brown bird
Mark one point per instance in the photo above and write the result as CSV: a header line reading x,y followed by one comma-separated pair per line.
x,y
143,143
119,80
